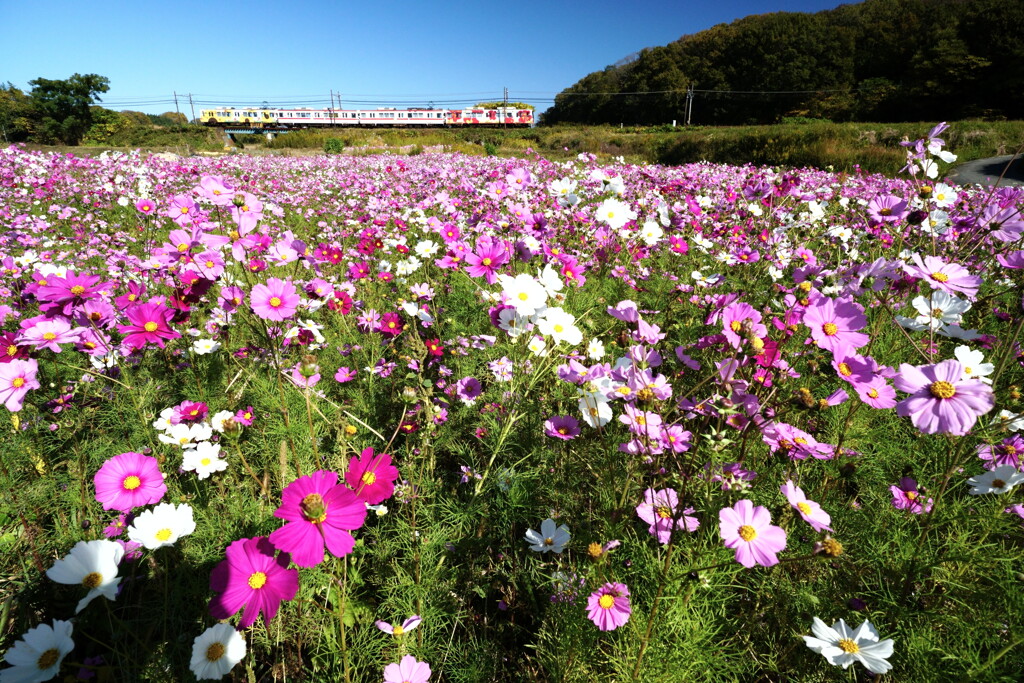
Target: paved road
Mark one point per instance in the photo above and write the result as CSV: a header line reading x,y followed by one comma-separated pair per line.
x,y
987,171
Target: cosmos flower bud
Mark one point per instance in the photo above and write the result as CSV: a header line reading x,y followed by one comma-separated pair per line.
x,y
232,429
238,200
308,366
409,394
313,507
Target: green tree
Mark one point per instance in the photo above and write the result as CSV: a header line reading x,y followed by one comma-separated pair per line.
x,y
63,106
17,114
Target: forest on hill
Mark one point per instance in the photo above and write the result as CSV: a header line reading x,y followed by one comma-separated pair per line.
x,y
879,60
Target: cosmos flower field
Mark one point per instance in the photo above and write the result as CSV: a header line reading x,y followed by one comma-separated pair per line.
x,y
454,418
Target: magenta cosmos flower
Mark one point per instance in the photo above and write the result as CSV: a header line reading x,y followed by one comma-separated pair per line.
x,y
833,322
150,324
276,300
608,607
319,511
371,476
128,481
17,377
939,401
810,511
408,670
253,577
748,529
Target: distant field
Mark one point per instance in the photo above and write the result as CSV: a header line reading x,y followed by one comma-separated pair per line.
x,y
871,147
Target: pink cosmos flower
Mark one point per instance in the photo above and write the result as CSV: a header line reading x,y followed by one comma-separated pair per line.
x,y
17,377
145,206
276,300
319,511
408,670
877,393
63,294
660,510
371,476
748,529
564,427
253,577
940,402
742,322
48,334
150,323
345,374
608,607
810,511
399,629
128,481
887,209
948,277
833,322
905,496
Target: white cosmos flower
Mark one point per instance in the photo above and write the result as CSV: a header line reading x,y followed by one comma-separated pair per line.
x,y
204,459
842,646
512,322
216,651
538,347
595,409
999,480
940,308
560,326
651,233
943,195
201,347
974,364
615,213
92,564
39,653
595,349
426,248
523,293
186,436
163,423
1012,422
551,280
551,538
562,187
162,525
219,418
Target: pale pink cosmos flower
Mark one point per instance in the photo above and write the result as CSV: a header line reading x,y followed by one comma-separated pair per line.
x,y
948,277
748,529
399,629
17,377
608,607
407,670
660,510
810,511
940,401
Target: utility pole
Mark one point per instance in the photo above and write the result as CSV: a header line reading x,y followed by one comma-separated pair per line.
x,y
176,104
192,106
504,111
330,110
689,103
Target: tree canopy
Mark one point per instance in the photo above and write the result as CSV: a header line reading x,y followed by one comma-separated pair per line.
x,y
63,106
880,60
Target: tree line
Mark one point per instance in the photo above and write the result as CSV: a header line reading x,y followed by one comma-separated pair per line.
x,y
64,112
880,60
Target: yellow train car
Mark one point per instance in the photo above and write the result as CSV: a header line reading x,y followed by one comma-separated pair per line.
x,y
227,116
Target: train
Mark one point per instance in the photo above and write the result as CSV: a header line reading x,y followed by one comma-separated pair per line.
x,y
265,118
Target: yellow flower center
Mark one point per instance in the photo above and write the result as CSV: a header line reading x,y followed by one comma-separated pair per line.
x,y
804,507
940,277
611,214
398,630
523,296
205,462
275,302
257,580
845,370
830,329
131,482
48,659
163,535
11,350
641,420
214,652
49,336
848,646
78,290
606,601
18,382
664,512
942,389
872,392
747,533
486,261
92,580
369,478
559,329
150,326
1010,450
184,210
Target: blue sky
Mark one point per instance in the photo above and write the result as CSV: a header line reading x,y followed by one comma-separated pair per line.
x,y
295,52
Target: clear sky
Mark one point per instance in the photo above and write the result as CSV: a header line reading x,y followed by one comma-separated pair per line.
x,y
294,52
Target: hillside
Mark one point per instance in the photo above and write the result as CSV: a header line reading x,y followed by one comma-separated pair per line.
x,y
880,60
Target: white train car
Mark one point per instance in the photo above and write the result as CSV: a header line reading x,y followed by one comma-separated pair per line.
x,y
388,117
